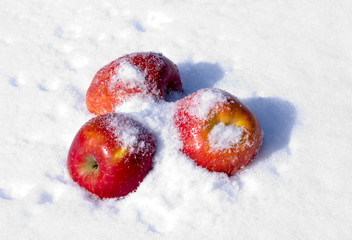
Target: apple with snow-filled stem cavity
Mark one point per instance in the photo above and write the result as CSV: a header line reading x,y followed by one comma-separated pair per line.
x,y
217,131
110,155
141,74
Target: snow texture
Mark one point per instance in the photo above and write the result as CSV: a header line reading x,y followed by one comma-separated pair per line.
x,y
128,75
204,101
126,131
224,136
289,61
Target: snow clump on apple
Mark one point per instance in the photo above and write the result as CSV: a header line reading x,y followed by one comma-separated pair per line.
x,y
225,136
128,132
205,101
128,74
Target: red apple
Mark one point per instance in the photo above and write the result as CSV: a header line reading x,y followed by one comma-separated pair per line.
x,y
217,130
110,155
143,74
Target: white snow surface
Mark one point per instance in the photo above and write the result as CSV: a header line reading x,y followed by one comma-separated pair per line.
x,y
289,61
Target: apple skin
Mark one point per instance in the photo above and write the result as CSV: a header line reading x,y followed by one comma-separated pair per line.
x,y
194,131
107,90
100,161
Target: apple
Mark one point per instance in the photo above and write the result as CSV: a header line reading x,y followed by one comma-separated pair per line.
x,y
141,74
217,131
110,155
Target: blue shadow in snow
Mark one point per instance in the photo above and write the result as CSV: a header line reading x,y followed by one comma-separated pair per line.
x,y
149,226
45,198
138,26
13,81
3,195
277,118
195,76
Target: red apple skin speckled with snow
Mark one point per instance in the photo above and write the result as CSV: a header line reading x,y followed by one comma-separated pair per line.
x,y
100,161
194,131
161,76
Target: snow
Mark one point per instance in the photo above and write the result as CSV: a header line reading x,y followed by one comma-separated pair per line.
x,y
206,100
129,75
290,62
125,130
225,136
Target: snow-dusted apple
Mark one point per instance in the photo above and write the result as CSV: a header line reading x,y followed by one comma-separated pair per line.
x,y
217,130
142,74
110,155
